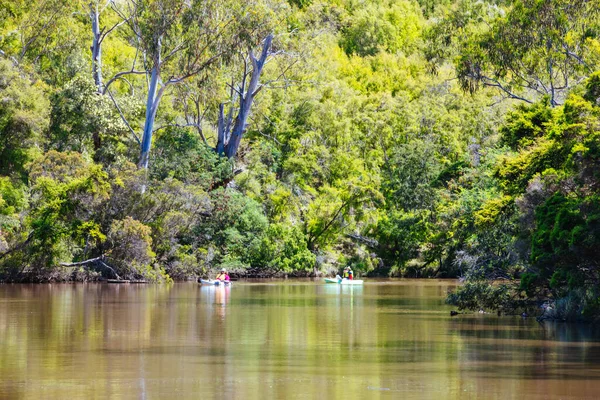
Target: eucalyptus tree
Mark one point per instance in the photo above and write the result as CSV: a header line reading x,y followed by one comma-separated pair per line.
x,y
99,34
229,132
42,33
176,41
538,48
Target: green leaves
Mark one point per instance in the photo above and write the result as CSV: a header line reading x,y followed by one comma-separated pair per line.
x,y
539,48
380,27
84,121
284,249
482,295
355,154
23,118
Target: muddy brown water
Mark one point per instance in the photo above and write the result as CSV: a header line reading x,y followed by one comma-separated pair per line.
x,y
281,340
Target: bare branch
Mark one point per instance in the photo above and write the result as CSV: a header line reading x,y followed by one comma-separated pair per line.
x,y
494,83
197,70
234,89
576,57
137,139
99,260
76,264
177,126
11,58
120,74
19,246
38,34
105,33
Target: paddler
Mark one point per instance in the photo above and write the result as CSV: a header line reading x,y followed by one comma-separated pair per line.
x,y
348,274
222,276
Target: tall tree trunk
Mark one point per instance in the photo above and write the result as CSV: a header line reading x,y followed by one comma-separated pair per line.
x,y
228,143
221,131
96,47
152,103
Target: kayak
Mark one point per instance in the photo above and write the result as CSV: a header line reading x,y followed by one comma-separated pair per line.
x,y
214,283
344,281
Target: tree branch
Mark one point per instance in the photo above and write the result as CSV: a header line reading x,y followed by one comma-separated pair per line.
x,y
494,83
99,260
11,58
121,74
79,263
19,246
115,26
191,124
137,139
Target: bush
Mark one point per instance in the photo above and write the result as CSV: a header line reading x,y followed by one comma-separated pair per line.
x,y
482,295
577,305
130,250
375,28
284,249
23,117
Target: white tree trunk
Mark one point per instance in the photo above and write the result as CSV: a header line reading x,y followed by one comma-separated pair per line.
x,y
96,47
229,142
152,103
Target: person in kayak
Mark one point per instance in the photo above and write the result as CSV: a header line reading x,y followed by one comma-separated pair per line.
x,y
222,276
348,274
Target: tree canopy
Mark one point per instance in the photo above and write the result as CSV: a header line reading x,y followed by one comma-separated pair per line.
x,y
162,139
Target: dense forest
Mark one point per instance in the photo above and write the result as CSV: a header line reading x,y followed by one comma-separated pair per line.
x,y
162,139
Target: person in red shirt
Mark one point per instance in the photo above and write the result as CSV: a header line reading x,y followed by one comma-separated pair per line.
x,y
348,273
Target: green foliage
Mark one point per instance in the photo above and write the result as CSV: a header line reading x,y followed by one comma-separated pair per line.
x,y
23,117
130,250
84,121
13,202
48,37
235,229
489,214
181,154
300,3
430,7
529,283
12,198
400,236
576,305
481,295
365,159
455,29
525,124
553,175
452,172
383,26
536,49
284,249
592,93
65,189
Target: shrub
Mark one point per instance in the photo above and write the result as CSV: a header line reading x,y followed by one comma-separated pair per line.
x,y
130,250
482,295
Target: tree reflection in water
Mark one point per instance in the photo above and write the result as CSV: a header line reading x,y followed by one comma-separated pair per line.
x,y
281,339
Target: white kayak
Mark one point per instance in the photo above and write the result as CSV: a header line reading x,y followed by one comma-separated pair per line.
x,y
344,281
211,282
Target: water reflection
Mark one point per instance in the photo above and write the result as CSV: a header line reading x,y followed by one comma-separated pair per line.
x,y
217,297
280,340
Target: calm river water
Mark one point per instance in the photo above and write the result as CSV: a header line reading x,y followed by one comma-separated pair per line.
x,y
281,340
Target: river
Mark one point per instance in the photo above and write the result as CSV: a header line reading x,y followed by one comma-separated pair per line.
x,y
281,340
